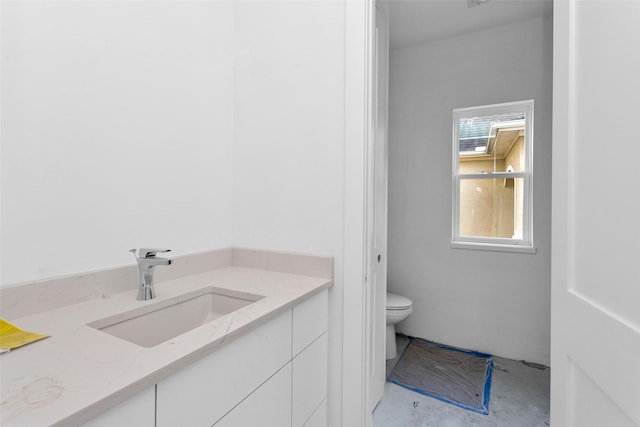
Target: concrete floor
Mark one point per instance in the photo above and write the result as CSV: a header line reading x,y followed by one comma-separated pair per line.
x,y
519,398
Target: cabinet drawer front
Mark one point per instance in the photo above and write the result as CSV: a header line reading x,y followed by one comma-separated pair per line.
x,y
309,380
137,411
268,406
319,417
203,392
310,320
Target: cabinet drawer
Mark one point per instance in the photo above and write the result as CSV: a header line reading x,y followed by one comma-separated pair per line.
x,y
309,380
140,410
206,390
319,417
310,320
268,406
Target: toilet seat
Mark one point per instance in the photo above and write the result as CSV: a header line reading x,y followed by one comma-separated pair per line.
x,y
398,302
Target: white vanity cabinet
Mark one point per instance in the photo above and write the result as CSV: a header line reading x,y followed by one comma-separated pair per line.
x,y
203,392
272,376
269,405
319,417
262,365
309,359
138,411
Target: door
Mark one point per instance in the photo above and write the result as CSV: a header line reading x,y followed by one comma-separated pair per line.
x,y
377,215
595,332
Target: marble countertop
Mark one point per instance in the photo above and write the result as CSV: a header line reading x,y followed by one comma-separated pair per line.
x,y
79,372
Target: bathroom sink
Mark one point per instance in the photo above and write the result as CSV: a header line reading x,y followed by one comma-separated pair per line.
x,y
156,323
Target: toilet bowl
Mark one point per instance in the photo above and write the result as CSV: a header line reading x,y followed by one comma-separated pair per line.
x,y
398,309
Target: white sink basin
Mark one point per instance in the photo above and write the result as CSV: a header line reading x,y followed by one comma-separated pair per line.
x,y
156,323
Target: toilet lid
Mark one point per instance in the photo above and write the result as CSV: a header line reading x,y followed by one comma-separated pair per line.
x,y
397,302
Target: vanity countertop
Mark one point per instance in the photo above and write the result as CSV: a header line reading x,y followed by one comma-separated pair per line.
x,y
79,372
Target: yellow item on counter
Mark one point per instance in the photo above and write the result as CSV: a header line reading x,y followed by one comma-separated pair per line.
x,y
13,337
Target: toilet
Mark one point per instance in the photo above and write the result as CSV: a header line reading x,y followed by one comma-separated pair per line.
x,y
398,309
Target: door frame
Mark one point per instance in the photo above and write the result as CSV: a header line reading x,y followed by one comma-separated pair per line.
x,y
560,220
377,213
359,28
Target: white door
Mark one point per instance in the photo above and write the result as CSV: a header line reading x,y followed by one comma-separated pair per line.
x,y
377,215
595,332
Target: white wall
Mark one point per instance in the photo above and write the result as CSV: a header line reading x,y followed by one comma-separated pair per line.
x,y
288,151
489,301
191,125
117,131
289,141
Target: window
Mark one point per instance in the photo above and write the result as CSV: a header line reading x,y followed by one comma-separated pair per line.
x,y
492,158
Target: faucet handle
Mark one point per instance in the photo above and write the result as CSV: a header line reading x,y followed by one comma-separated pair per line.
x,y
148,252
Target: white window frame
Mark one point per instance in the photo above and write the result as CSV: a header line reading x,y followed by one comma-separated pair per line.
x,y
495,243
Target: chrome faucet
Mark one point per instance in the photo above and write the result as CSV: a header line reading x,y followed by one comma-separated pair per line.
x,y
146,261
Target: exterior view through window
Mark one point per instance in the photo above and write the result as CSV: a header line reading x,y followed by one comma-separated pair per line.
x,y
492,158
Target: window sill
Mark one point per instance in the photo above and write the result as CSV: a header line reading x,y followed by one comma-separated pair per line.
x,y
494,247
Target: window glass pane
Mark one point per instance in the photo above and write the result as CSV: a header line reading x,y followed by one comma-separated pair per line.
x,y
491,207
490,142
493,143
